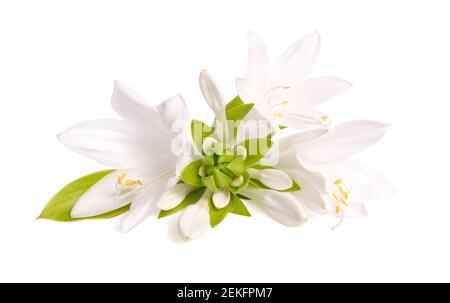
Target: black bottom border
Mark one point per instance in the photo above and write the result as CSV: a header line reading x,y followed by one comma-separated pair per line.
x,y
224,292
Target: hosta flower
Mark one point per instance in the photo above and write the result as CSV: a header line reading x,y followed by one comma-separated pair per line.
x,y
331,182
228,172
280,90
141,146
164,162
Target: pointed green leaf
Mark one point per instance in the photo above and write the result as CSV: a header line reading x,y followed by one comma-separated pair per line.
x,y
190,173
210,183
60,206
210,170
259,166
217,215
239,207
199,131
208,160
295,187
256,149
239,112
241,196
225,158
244,184
233,103
191,198
221,179
237,166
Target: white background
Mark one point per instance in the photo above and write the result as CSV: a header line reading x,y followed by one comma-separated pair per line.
x,y
58,60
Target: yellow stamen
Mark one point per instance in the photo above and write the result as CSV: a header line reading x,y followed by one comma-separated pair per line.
x,y
323,118
343,192
343,201
335,197
338,181
276,115
284,102
338,209
121,178
132,182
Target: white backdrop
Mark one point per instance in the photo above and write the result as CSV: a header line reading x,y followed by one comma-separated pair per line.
x,y
58,60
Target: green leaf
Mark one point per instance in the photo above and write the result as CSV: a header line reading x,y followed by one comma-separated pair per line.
x,y
234,103
210,170
210,183
225,158
295,187
244,184
256,149
259,166
237,166
258,184
60,206
239,207
191,198
221,179
208,160
236,206
239,112
217,215
190,173
241,196
199,131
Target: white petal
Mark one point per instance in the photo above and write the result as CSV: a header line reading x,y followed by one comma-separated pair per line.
x,y
174,113
296,62
213,96
344,141
250,88
291,141
186,157
317,90
294,165
309,195
273,178
300,117
221,198
367,184
100,198
116,143
194,221
283,207
353,210
250,129
283,152
143,204
134,109
174,196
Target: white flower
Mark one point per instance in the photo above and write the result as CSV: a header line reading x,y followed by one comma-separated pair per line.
x,y
331,183
280,91
282,206
141,146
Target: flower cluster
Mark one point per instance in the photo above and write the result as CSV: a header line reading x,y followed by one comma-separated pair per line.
x,y
165,163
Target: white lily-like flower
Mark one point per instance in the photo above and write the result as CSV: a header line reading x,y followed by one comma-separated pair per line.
x,y
282,206
280,91
206,171
331,183
141,146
